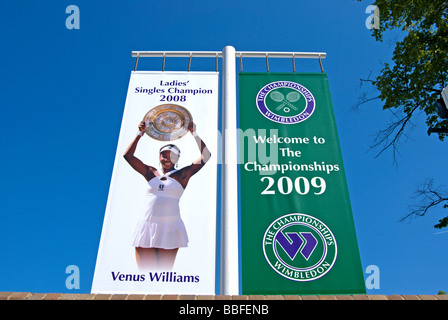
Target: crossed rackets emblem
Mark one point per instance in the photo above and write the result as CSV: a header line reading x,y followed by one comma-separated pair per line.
x,y
285,102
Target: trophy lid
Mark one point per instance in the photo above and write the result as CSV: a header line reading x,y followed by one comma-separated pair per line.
x,y
167,122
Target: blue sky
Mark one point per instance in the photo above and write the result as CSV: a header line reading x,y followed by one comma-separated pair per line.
x,y
62,98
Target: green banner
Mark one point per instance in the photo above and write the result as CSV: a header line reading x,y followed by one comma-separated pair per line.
x,y
297,229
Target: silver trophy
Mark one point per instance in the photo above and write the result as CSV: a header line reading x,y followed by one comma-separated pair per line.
x,y
167,122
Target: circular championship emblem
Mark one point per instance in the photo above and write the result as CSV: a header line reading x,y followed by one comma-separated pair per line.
x,y
299,247
167,122
285,102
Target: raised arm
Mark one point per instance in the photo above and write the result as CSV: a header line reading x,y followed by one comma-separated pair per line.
x,y
146,171
185,173
205,153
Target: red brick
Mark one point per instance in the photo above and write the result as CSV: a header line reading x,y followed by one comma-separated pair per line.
x,y
52,296
395,297
310,297
327,297
19,296
205,297
118,297
153,297
69,296
102,296
136,297
410,297
360,297
73,296
85,296
427,297
274,297
36,296
344,297
187,297
5,295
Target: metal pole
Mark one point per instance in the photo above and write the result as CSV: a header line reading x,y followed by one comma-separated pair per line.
x,y
229,218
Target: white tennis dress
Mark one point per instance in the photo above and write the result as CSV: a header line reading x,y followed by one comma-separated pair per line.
x,y
161,225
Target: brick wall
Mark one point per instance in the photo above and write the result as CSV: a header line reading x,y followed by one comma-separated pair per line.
x,y
76,296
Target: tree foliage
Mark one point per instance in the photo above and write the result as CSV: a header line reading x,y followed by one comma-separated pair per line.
x,y
419,68
412,83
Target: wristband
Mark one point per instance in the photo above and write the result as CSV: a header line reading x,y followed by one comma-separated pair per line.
x,y
140,133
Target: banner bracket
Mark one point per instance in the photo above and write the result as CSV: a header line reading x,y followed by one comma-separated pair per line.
x,y
321,66
267,63
136,62
293,63
189,62
216,62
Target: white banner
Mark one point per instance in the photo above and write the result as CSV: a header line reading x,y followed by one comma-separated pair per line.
x,y
146,245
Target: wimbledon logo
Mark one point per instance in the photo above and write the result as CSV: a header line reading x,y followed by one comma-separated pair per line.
x,y
299,247
285,102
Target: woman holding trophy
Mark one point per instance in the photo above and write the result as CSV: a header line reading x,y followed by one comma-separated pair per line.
x,y
161,232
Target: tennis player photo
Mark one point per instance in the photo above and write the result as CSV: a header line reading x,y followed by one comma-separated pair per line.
x,y
159,232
